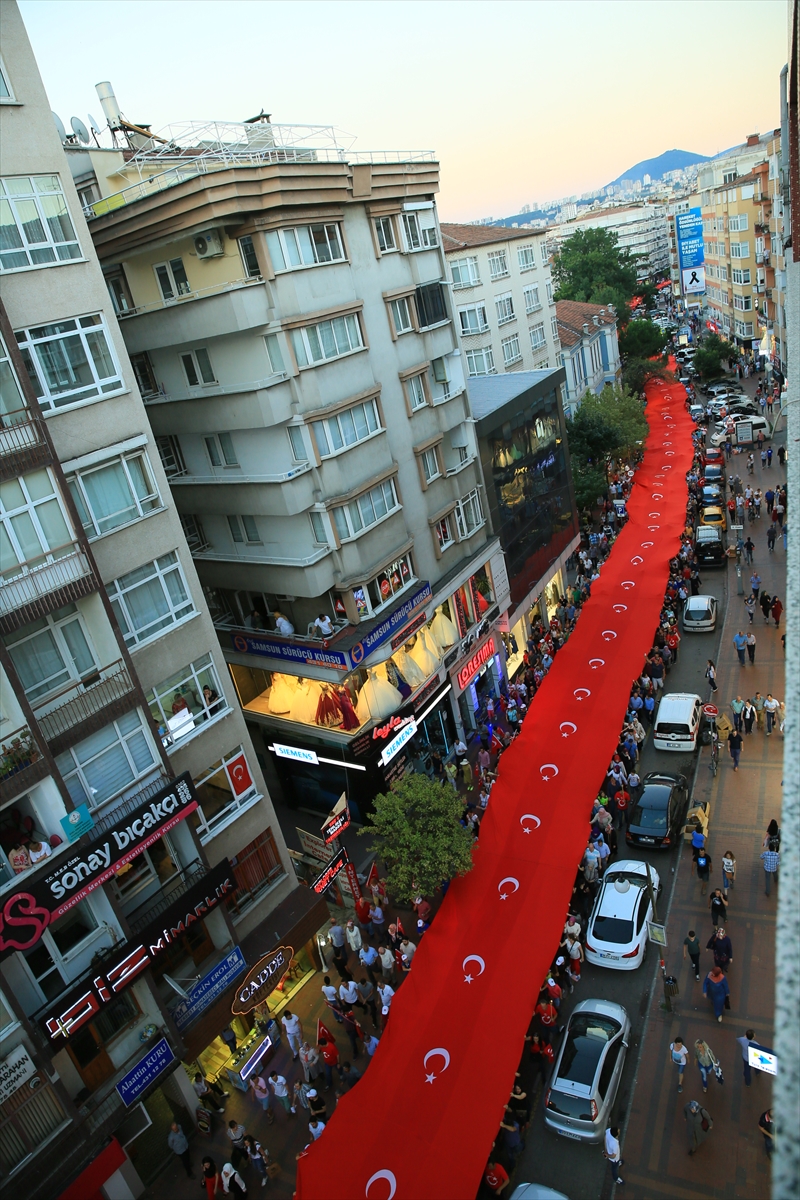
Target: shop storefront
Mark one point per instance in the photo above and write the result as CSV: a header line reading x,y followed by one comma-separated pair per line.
x,y
477,678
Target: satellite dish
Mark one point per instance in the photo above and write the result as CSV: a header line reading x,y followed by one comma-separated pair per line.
x,y
62,133
176,987
95,128
80,130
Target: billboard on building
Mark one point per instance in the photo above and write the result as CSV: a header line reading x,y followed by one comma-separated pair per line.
x,y
691,255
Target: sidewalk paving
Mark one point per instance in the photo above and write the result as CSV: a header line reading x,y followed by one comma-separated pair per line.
x,y
732,1162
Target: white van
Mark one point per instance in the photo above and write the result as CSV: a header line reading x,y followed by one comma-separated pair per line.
x,y
678,721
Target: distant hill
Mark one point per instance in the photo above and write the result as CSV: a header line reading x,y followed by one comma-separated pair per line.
x,y
670,160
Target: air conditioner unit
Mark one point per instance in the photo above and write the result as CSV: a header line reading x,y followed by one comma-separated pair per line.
x,y
286,599
208,244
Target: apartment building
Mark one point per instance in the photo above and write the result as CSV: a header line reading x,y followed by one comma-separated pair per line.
x,y
640,229
589,349
127,777
287,309
772,305
503,297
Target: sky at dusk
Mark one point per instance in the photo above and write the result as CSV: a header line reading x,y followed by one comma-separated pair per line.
x,y
522,102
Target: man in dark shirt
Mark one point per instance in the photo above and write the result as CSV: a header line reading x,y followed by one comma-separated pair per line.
x,y
767,1126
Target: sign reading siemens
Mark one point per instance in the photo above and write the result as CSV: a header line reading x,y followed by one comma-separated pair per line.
x,y
691,254
131,1086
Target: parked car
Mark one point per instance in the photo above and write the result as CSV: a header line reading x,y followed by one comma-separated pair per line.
x,y
678,719
727,385
713,473
698,413
588,1070
741,405
699,614
713,455
711,494
710,546
657,816
617,932
714,516
720,435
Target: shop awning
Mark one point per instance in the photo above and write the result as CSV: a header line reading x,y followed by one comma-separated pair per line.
x,y
87,1185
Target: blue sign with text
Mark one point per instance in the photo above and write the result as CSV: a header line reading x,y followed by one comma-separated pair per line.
x,y
209,988
689,233
131,1086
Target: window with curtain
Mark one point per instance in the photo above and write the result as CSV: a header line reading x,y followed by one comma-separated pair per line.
x,y
109,761
35,225
114,493
150,599
12,403
33,523
70,361
51,652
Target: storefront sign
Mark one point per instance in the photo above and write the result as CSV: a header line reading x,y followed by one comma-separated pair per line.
x,y
397,743
262,979
484,652
14,1070
337,822
209,988
131,1086
326,878
312,845
406,633
691,253
27,912
387,628
290,651
352,879
298,753
77,823
124,966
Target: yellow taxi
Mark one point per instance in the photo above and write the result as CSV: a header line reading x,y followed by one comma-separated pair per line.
x,y
714,516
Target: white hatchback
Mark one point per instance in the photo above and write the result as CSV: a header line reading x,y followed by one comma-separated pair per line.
x,y
617,933
699,614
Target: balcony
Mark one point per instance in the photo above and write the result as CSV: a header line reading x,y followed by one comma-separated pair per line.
x,y
21,764
84,707
187,876
41,589
231,307
22,443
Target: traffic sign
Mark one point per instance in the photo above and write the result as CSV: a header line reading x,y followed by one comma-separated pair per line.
x,y
711,710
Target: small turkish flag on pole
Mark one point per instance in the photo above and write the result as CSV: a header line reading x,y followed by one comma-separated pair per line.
x,y
373,876
239,775
324,1032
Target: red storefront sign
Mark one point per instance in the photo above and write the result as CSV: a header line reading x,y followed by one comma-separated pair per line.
x,y
474,664
326,877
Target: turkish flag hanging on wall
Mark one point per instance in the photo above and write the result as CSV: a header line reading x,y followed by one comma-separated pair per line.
x,y
239,775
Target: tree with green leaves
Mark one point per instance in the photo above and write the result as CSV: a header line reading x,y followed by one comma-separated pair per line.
x,y
606,425
417,833
638,371
592,268
642,339
710,355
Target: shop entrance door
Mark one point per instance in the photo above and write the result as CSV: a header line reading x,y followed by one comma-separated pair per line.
x,y
90,1058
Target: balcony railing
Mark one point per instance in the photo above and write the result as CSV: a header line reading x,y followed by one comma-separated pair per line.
x,y
21,763
80,701
214,289
19,432
227,624
115,812
39,581
187,876
213,389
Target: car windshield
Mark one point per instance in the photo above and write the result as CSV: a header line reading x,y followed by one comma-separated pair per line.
x,y
587,1039
649,818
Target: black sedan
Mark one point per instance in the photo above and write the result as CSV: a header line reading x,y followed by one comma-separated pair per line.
x,y
658,813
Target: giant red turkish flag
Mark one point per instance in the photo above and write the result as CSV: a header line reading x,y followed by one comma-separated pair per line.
x,y
455,1037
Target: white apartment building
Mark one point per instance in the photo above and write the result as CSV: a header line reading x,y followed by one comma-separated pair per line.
x,y
503,298
589,350
640,228
288,311
127,775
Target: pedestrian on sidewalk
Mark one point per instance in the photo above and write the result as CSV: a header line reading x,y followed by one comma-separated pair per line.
x,y
691,946
744,1044
737,705
212,1180
751,646
740,642
720,945
613,1153
281,1091
704,868
369,957
353,935
495,1177
750,605
748,714
257,1156
680,1056
309,1061
776,610
294,1032
698,1124
771,706
331,998
755,584
728,871
772,861
209,1093
718,905
735,747
258,1086
771,538
711,675
235,1133
179,1146
362,916
316,1105
715,986
366,990
330,1057
232,1182
766,1126
766,605
758,705
387,962
706,1060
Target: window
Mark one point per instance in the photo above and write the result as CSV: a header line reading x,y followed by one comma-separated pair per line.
x,y
28,1120
193,531
220,800
115,493
480,362
498,264
51,652
346,428
148,871
401,315
119,293
384,587
371,507
420,230
327,340
505,308
737,223
145,376
197,366
743,303
741,275
151,599
537,336
526,257
544,252
740,249
744,329
511,350
274,356
220,450
722,273
444,533
472,318
596,357
431,307
244,529
169,450
299,452
35,225
549,290
304,246
172,279
465,272
249,257
187,700
554,328
13,408
6,92
70,361
384,229
255,868
109,761
729,176
34,528
469,514
319,528
531,297
415,390
430,464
